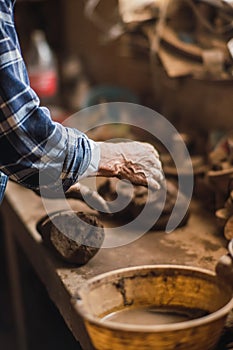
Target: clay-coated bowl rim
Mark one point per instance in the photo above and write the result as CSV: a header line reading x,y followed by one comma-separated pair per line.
x,y
119,326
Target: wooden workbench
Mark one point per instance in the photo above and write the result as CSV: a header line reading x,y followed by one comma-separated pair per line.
x,y
199,243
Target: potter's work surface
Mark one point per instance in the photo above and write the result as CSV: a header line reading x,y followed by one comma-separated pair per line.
x,y
199,243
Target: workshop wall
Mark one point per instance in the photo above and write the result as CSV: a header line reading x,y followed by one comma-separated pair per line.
x,y
186,101
109,63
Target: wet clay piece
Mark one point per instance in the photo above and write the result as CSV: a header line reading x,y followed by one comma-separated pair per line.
x,y
74,236
122,192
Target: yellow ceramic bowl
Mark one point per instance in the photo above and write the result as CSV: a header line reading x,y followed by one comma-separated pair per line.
x,y
111,306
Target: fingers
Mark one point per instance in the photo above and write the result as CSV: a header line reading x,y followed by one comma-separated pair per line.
x,y
98,202
157,177
91,198
142,180
153,184
74,192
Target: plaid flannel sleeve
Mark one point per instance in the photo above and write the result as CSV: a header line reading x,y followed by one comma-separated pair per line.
x,y
34,151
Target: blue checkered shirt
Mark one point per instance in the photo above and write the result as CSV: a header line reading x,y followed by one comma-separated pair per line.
x,y
31,144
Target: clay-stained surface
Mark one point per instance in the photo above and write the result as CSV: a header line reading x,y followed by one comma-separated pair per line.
x,y
199,243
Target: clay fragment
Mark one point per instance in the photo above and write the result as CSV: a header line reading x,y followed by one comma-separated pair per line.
x,y
75,237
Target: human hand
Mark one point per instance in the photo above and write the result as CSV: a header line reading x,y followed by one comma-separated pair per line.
x,y
135,161
81,192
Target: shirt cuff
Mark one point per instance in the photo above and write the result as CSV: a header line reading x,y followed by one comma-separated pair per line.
x,y
95,159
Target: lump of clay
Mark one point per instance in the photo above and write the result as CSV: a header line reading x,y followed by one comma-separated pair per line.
x,y
163,201
74,236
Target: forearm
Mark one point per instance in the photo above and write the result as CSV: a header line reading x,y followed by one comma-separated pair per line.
x,y
50,153
31,143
